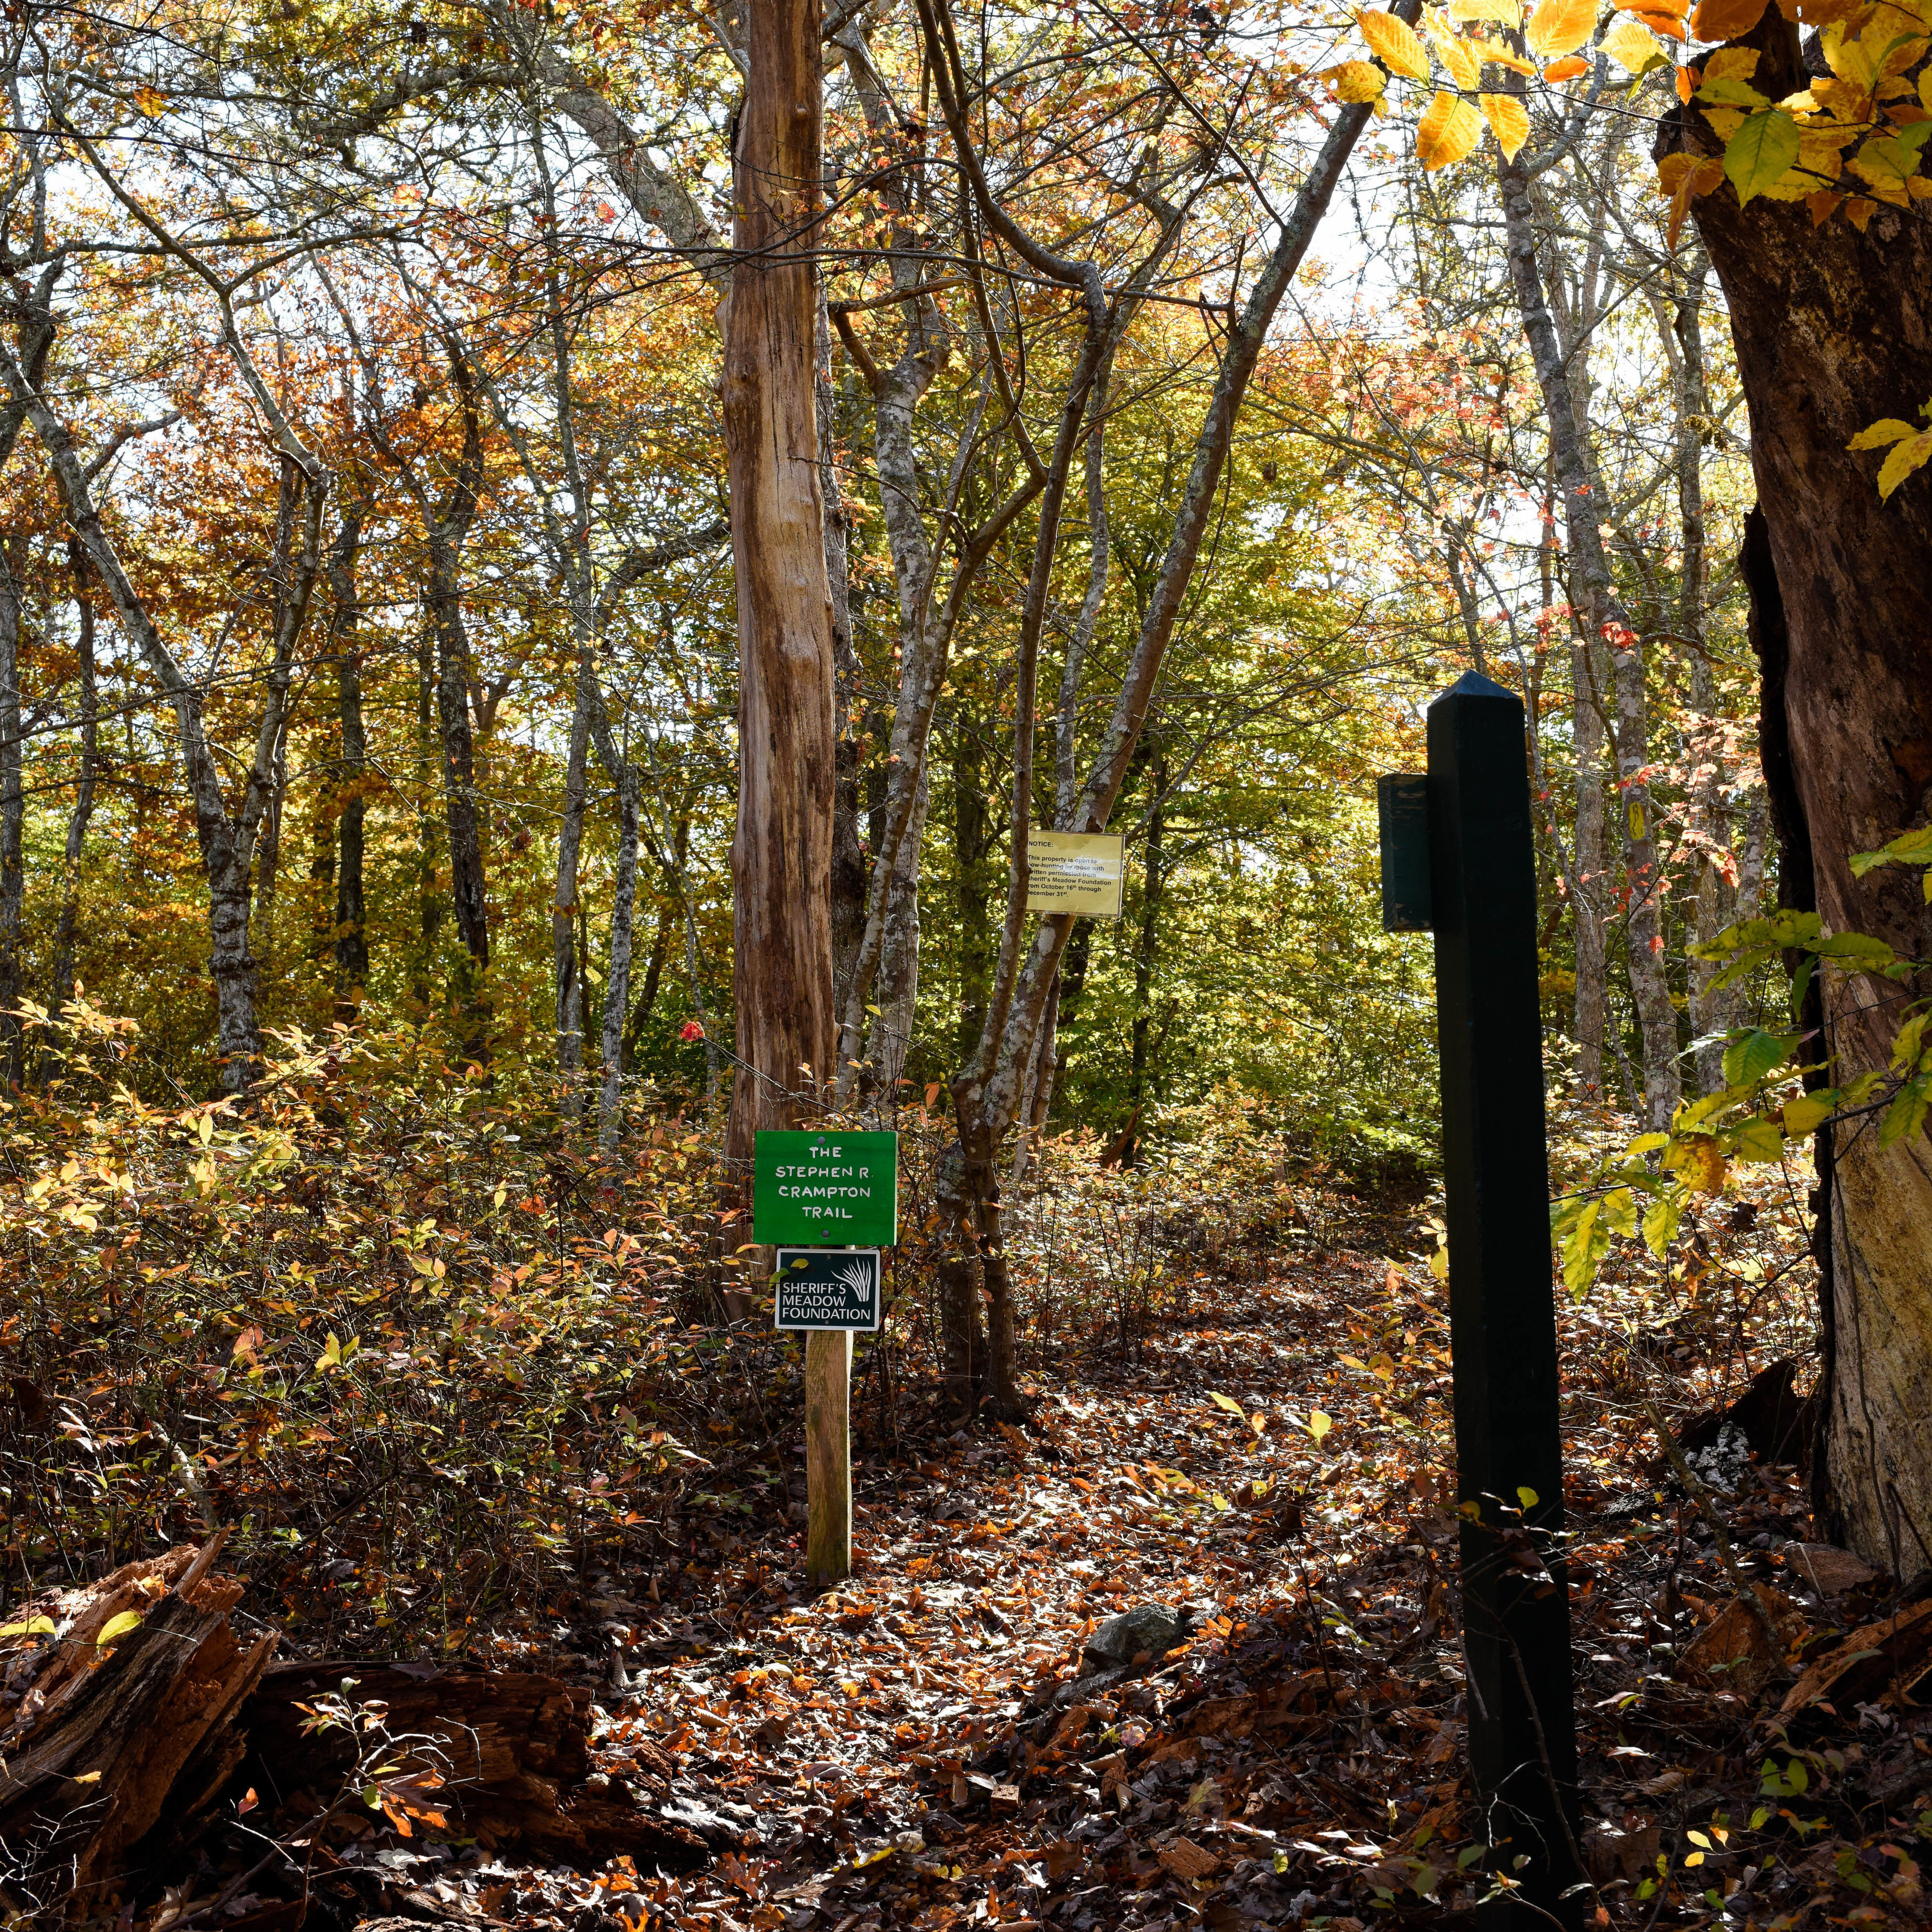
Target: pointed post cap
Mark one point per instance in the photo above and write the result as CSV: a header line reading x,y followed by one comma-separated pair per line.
x,y
1474,684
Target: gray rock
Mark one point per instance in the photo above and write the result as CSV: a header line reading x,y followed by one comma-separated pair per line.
x,y
1143,1635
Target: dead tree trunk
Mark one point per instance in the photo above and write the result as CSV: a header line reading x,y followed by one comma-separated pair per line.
x,y
107,1725
781,856
1833,331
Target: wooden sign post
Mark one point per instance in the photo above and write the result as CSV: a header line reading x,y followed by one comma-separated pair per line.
x,y
833,1190
1458,859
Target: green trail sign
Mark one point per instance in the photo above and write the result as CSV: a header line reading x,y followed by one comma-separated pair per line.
x,y
826,1190
827,1287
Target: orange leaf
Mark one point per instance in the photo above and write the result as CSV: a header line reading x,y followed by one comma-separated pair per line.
x,y
1668,25
1687,82
1509,122
1395,43
1448,132
1560,26
1566,69
1821,205
1725,20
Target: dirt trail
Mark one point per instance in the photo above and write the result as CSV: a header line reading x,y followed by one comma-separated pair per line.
x,y
911,1750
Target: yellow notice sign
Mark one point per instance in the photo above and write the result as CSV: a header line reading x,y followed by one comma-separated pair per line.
x,y
1075,871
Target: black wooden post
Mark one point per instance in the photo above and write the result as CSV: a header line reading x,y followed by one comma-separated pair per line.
x,y
1481,905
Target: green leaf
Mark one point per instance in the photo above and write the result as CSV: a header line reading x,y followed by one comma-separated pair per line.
x,y
1761,152
117,1627
1749,1058
1648,1143
1909,848
1906,1114
1620,1210
1759,1139
1806,1115
1525,1495
1857,950
1728,92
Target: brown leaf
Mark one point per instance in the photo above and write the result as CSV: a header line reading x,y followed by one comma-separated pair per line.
x,y
1186,1860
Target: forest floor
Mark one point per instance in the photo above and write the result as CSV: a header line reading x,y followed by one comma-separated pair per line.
x,y
912,1749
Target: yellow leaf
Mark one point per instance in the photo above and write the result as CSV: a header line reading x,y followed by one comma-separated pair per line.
x,y
1701,1162
118,1626
1886,430
1904,459
1509,122
1448,131
1887,166
1561,26
1395,43
1318,1425
1357,80
1925,90
1497,55
1850,60
1731,64
31,1627
1634,49
1455,53
1505,12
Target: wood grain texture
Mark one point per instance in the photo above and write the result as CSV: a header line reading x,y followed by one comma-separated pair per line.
x,y
828,1455
782,855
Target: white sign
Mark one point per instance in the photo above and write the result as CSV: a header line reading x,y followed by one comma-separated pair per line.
x,y
1075,871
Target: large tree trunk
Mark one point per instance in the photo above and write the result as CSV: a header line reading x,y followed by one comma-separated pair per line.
x,y
781,856
1833,331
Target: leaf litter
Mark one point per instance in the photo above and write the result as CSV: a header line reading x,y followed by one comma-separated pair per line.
x,y
931,1744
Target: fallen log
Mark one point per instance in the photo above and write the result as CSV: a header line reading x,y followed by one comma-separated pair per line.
x,y
512,1750
130,1710
118,1702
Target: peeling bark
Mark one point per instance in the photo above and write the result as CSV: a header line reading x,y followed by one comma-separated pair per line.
x,y
781,854
1834,330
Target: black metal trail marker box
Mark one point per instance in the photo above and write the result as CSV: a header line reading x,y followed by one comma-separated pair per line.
x,y
822,1288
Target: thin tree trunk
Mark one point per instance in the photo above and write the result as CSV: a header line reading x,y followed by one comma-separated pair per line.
x,y
782,855
429,898
351,928
13,812
563,911
66,932
667,914
617,982
227,842
1603,617
468,905
1147,946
